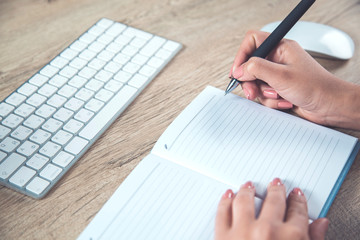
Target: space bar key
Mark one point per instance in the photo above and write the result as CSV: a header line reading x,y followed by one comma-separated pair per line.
x,y
107,113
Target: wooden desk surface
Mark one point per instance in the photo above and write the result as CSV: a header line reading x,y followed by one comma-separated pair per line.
x,y
34,31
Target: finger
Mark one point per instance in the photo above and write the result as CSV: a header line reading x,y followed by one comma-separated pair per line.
x,y
275,202
267,91
224,212
251,42
318,228
297,213
273,74
244,205
280,104
251,90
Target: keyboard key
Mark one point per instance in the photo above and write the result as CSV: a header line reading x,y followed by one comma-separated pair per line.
x,y
87,72
40,136
12,121
68,72
67,91
50,149
27,148
74,104
138,81
59,62
50,172
10,164
34,121
155,62
24,110
78,63
9,144
116,29
56,100
107,113
106,55
38,80
171,45
94,85
112,67
104,95
37,161
85,94
163,54
76,145
113,86
69,54
49,71
37,185
5,109
58,81
103,75
84,115
94,105
52,125
131,67
104,23
87,54
61,137
4,131
87,38
122,76
63,159
36,100
63,114
27,89
147,71
78,46
73,126
20,133
22,176
15,99
2,156
45,111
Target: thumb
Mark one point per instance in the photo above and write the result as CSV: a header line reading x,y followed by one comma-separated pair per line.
x,y
259,68
318,229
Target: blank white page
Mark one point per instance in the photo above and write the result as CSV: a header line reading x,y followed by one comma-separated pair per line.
x,y
235,140
160,200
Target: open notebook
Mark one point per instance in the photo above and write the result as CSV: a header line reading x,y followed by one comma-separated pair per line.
x,y
220,142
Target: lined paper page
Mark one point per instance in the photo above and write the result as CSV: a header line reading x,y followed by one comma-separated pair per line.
x,y
159,200
235,140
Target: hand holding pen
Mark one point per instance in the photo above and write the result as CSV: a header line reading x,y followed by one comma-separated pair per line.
x,y
291,78
275,37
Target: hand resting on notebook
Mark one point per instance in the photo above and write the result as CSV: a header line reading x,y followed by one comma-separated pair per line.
x,y
292,79
280,218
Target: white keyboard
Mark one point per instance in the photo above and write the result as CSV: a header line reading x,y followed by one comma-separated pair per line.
x,y
49,122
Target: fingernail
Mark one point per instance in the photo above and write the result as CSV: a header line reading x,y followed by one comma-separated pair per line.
x,y
247,94
270,94
238,72
276,182
228,194
230,73
284,105
298,192
248,184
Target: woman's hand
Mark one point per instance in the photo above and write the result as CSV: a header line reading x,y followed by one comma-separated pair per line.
x,y
280,218
292,79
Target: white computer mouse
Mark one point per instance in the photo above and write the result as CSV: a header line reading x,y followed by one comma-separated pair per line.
x,y
319,40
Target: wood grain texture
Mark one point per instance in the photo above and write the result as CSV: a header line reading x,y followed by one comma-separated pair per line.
x,y
32,32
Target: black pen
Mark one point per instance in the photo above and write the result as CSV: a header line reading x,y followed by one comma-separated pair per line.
x,y
275,37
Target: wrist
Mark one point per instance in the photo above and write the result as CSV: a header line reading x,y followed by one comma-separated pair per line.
x,y
345,111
